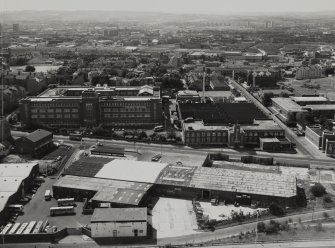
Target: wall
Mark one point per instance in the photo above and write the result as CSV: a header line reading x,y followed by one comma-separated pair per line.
x,y
117,229
313,137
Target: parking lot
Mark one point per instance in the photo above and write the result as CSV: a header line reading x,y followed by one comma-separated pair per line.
x,y
173,217
172,158
39,209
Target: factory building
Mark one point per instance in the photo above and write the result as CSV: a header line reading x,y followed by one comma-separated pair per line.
x,y
75,107
15,180
130,183
35,143
119,222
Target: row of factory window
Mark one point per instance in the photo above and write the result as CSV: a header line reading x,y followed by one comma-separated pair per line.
x,y
34,116
51,110
122,104
53,105
126,115
265,134
206,140
136,109
208,134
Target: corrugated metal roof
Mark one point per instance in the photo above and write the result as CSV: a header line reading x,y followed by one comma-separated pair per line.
x,y
38,135
119,214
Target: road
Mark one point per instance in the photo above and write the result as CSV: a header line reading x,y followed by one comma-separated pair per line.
x,y
236,230
302,144
143,147
296,244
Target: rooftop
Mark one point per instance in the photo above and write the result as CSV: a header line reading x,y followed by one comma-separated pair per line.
x,y
199,125
221,113
318,107
176,175
135,171
309,99
113,191
11,177
287,104
38,135
248,182
262,125
119,215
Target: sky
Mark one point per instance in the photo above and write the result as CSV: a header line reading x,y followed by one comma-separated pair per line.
x,y
174,6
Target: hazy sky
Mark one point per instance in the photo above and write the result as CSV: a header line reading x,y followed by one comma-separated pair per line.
x,y
178,6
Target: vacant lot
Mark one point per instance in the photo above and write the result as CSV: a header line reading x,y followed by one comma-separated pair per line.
x,y
173,217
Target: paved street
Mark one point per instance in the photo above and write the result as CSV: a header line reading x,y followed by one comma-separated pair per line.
x,y
166,148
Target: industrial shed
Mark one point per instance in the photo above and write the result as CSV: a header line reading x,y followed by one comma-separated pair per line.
x,y
203,182
118,193
15,179
130,183
35,143
115,222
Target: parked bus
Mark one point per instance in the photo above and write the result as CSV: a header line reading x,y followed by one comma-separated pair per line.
x,y
76,136
61,210
30,227
48,195
65,202
38,227
16,208
22,228
6,228
14,228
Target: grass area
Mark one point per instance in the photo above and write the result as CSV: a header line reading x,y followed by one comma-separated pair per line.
x,y
303,231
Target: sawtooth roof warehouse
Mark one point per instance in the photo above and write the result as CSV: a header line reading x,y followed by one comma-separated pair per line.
x,y
137,180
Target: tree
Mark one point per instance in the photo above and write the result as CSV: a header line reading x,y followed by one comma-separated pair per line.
x,y
261,226
276,209
284,94
327,199
266,98
318,190
142,135
30,68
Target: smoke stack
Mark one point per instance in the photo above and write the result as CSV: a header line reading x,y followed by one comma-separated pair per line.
x,y
203,84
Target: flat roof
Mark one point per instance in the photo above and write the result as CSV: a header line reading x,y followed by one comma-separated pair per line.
x,y
176,175
96,184
87,166
11,177
287,103
129,170
38,135
119,214
222,113
269,139
318,107
15,170
248,182
309,99
107,190
109,149
120,196
199,125
193,93
263,125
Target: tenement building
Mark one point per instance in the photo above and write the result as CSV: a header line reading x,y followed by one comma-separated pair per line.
x,y
75,107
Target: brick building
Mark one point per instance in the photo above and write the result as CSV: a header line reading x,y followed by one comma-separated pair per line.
x,y
75,107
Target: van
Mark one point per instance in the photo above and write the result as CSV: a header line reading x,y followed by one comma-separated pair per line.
x,y
47,195
158,128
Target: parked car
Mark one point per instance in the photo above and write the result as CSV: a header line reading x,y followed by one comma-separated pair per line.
x,y
156,158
